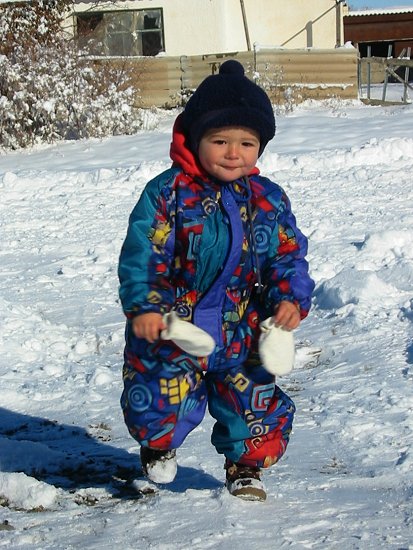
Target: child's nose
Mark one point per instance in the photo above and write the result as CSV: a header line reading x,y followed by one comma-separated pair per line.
x,y
232,150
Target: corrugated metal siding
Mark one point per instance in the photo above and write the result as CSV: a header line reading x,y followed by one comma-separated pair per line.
x,y
164,81
364,13
378,27
375,71
312,66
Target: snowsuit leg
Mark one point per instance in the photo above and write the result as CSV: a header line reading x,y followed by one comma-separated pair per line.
x,y
164,396
166,392
254,417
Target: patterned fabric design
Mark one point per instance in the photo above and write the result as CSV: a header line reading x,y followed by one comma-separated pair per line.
x,y
166,393
254,417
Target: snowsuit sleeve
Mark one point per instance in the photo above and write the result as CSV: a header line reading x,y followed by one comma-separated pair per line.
x,y
286,269
147,254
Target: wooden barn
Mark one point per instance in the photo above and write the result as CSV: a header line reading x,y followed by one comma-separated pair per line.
x,y
385,33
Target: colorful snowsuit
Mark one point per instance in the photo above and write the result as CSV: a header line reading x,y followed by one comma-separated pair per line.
x,y
188,248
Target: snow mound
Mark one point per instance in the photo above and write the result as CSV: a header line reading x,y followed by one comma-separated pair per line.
x,y
353,287
379,280
20,491
374,152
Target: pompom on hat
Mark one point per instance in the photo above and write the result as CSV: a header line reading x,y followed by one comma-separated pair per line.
x,y
228,99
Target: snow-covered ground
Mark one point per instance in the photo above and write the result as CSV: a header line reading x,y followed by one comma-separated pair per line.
x,y
392,93
346,481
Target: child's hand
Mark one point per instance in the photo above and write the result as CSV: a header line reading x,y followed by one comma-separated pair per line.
x,y
148,326
287,315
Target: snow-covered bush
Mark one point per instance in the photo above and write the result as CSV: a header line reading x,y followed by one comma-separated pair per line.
x,y
48,91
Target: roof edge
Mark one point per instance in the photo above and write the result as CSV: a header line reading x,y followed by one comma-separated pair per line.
x,y
390,11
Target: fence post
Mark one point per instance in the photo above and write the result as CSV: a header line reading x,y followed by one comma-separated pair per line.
x,y
368,71
406,76
386,78
183,66
359,76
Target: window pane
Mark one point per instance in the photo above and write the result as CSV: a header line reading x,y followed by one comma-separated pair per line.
x,y
149,19
91,33
118,22
87,23
134,32
119,44
151,43
152,20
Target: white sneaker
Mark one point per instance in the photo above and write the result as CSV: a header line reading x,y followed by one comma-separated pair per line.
x,y
159,466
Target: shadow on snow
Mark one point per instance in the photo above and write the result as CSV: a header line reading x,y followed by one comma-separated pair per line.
x,y
70,457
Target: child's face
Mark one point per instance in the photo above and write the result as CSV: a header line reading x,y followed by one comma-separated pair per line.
x,y
229,153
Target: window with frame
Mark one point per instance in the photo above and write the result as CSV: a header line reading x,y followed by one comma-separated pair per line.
x,y
121,33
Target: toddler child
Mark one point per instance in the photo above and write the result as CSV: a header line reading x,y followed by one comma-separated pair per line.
x,y
211,251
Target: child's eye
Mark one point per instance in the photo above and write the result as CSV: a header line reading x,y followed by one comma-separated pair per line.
x,y
219,141
248,144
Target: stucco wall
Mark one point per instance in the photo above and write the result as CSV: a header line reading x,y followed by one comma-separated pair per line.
x,y
293,24
196,27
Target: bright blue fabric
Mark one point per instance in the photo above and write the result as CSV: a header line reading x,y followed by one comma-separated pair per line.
x,y
136,271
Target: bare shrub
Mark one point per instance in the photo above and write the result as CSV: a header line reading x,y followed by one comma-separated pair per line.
x,y
48,91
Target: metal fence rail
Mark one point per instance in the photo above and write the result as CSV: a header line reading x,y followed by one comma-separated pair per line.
x,y
307,73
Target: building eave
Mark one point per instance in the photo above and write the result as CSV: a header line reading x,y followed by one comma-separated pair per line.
x,y
364,13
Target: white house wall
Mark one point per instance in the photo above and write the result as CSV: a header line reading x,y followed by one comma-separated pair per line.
x,y
195,27
293,23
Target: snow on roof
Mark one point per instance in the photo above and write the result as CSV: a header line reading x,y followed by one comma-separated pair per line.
x,y
392,11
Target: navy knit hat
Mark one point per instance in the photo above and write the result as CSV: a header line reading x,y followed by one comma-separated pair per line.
x,y
228,99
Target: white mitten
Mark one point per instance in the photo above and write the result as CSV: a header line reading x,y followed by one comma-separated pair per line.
x,y
276,348
187,336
